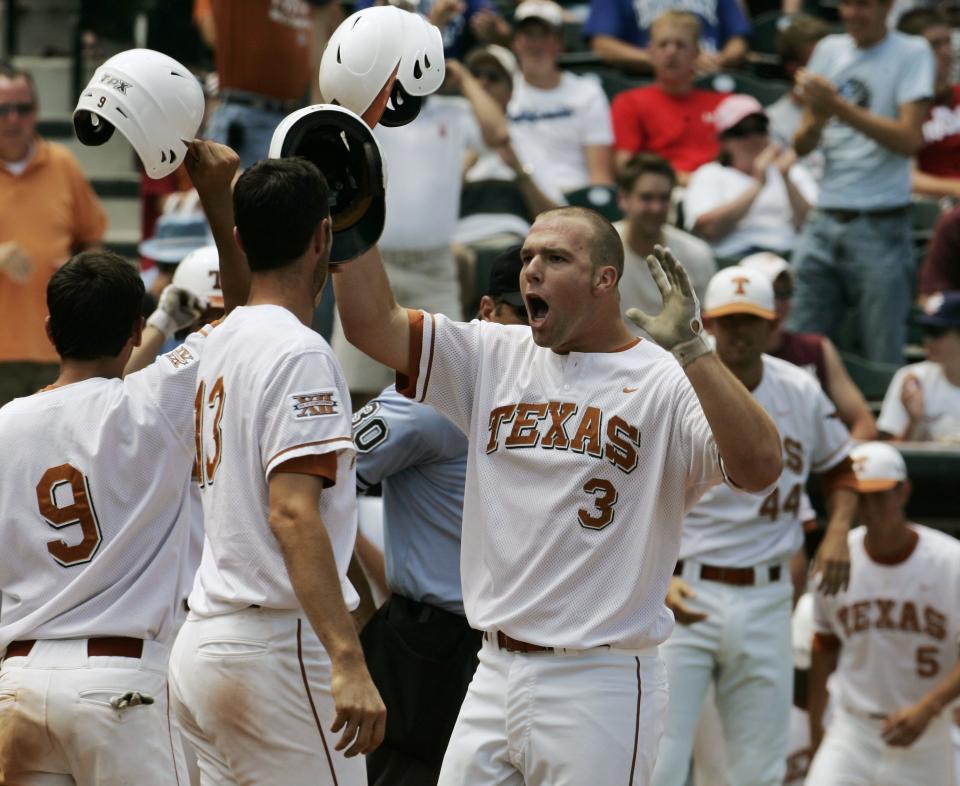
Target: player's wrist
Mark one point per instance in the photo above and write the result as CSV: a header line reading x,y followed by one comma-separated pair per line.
x,y
686,352
160,320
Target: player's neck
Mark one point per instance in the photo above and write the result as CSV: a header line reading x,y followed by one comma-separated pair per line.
x,y
279,290
889,542
73,371
750,374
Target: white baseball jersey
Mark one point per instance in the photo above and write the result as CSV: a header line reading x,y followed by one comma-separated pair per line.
x,y
95,509
269,391
580,468
732,529
898,624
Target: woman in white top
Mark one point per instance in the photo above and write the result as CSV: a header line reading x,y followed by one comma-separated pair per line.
x,y
755,197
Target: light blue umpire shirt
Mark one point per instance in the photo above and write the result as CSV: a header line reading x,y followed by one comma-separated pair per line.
x,y
420,457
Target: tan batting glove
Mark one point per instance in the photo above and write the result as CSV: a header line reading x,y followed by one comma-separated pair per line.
x,y
678,327
15,262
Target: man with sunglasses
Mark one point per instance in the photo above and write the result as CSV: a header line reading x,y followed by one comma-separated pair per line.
x,y
923,400
48,212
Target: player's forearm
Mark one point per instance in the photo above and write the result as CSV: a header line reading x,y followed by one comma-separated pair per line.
x,y
371,319
619,53
234,270
822,665
144,355
746,437
733,52
895,134
945,693
308,556
799,206
599,164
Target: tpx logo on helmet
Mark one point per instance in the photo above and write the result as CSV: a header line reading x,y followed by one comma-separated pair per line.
x,y
115,83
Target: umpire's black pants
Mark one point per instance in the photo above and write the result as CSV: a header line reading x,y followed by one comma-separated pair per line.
x,y
422,659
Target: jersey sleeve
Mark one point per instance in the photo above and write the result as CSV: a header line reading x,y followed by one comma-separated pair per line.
x,y
705,191
916,81
445,359
893,415
170,382
831,440
303,413
393,433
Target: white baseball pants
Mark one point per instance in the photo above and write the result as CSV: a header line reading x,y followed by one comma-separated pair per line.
x,y
854,754
58,728
252,692
744,647
542,719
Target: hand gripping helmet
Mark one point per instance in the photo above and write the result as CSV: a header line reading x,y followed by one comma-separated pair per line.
x,y
345,150
155,102
378,54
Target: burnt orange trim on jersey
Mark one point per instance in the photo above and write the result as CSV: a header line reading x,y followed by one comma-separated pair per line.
x,y
636,727
323,465
173,751
825,642
433,341
51,386
407,383
629,345
902,556
841,476
313,707
204,331
309,445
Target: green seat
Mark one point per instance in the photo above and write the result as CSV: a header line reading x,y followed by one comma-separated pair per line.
x,y
603,199
765,30
766,91
612,80
926,213
871,377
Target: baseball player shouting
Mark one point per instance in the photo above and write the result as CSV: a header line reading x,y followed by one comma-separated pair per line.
x,y
732,590
268,661
891,639
586,446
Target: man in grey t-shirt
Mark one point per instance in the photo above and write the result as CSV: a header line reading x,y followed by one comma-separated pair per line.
x,y
865,94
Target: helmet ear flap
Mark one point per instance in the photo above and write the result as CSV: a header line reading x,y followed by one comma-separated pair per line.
x,y
91,129
402,107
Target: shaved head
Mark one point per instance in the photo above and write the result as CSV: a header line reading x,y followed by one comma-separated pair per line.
x,y
606,247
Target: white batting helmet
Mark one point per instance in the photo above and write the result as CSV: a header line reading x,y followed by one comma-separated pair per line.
x,y
199,273
345,150
155,102
382,54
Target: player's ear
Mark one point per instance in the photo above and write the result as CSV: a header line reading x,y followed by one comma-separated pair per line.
x,y
49,330
323,238
605,278
487,308
906,489
238,241
136,334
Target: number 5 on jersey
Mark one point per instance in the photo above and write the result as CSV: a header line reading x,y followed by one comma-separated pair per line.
x,y
208,411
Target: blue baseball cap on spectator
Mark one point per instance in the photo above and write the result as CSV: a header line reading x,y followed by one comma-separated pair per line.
x,y
942,311
176,235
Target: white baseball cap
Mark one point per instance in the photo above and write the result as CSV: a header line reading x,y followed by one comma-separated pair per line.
x,y
736,290
545,10
199,273
878,467
771,265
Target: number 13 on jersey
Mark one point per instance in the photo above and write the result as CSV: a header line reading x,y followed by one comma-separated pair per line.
x,y
207,414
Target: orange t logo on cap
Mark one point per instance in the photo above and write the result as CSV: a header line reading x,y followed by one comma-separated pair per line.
x,y
741,282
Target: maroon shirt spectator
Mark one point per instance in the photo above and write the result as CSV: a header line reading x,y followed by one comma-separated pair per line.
x,y
940,271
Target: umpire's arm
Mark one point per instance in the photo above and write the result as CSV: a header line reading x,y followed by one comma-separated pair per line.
x,y
371,319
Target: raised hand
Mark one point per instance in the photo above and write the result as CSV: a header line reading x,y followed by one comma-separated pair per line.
x,y
678,327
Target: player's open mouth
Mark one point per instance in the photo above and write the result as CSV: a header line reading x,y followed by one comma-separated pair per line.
x,y
537,308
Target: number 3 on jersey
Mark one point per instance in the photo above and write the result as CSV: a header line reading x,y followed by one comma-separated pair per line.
x,y
51,492
207,460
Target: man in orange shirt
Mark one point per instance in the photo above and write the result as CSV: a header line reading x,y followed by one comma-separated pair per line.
x,y
48,212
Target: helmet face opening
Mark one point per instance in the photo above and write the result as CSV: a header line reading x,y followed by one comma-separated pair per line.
x,y
352,165
91,129
401,108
